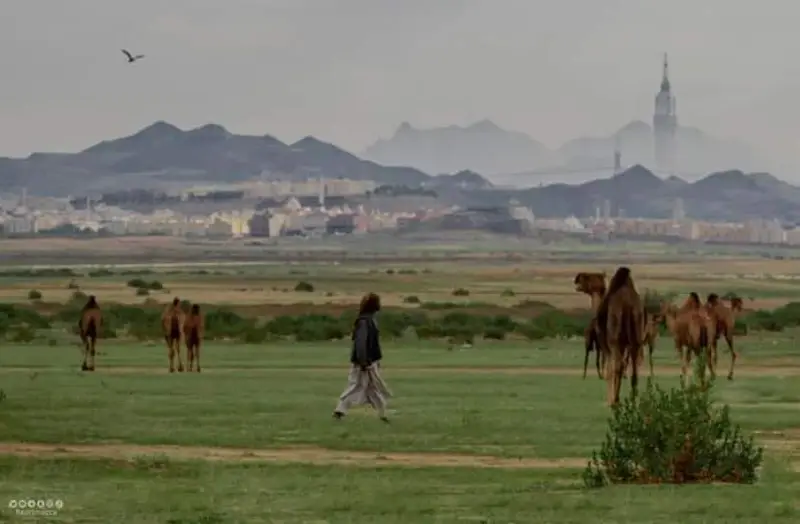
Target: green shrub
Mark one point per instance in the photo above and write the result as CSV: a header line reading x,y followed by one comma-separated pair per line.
x,y
461,292
303,286
142,292
507,293
411,299
676,436
23,335
102,272
407,272
138,283
34,294
73,285
390,271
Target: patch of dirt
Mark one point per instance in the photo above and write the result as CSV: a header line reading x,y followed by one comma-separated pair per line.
x,y
307,455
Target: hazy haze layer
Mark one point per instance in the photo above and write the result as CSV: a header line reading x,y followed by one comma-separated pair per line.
x,y
349,71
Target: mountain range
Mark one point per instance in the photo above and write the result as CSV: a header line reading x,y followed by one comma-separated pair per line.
x,y
724,196
487,148
163,156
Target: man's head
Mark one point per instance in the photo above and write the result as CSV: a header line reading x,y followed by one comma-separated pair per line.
x,y
371,303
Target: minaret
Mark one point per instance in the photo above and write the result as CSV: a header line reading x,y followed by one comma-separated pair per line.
x,y
665,124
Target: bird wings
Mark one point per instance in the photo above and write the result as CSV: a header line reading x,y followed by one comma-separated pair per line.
x,y
131,58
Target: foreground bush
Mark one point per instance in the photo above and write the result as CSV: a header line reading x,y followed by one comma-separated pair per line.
x,y
676,436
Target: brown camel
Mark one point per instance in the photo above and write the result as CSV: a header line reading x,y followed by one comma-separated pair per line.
x,y
193,331
725,319
693,330
651,325
89,328
594,285
621,323
172,323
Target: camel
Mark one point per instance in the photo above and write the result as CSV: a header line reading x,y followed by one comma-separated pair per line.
x,y
621,323
89,327
594,285
172,323
193,331
693,330
725,322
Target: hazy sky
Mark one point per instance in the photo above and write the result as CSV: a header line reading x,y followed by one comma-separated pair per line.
x,y
349,71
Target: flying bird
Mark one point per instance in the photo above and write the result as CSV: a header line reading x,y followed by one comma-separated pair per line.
x,y
131,58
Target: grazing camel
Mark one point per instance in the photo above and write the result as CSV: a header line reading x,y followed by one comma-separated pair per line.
x,y
89,328
172,323
621,323
193,331
594,285
725,319
693,331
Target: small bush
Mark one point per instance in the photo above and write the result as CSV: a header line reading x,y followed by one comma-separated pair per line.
x,y
411,299
407,272
102,272
138,283
23,335
34,294
508,293
73,285
390,271
461,292
142,292
303,286
675,436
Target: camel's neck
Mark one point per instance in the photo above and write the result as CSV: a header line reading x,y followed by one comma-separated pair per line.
x,y
597,298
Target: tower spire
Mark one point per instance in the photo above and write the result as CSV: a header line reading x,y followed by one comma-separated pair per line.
x,y
665,75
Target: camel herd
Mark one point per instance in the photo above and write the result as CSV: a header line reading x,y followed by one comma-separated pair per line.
x,y
174,323
622,326
619,330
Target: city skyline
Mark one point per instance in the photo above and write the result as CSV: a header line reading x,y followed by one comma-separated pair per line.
x,y
300,68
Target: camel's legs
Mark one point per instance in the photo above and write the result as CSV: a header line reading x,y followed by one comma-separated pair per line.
x,y
729,340
651,346
197,355
189,357
171,354
177,343
85,366
635,374
93,344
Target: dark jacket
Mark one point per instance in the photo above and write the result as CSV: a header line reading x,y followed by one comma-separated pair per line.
x,y
366,342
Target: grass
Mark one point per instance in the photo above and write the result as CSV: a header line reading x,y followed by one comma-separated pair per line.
x,y
458,402
510,400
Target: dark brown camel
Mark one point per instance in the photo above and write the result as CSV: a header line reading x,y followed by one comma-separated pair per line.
x,y
621,323
725,319
193,332
172,323
89,328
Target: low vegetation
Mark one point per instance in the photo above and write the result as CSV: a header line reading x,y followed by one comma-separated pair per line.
x,y
531,320
675,436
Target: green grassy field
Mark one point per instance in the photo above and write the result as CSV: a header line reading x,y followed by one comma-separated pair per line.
x,y
496,433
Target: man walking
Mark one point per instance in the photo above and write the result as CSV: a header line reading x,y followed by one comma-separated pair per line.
x,y
364,384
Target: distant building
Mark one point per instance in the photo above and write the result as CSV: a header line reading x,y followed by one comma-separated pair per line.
x,y
341,224
665,124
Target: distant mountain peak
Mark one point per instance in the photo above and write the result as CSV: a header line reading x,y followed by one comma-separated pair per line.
x,y
485,126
